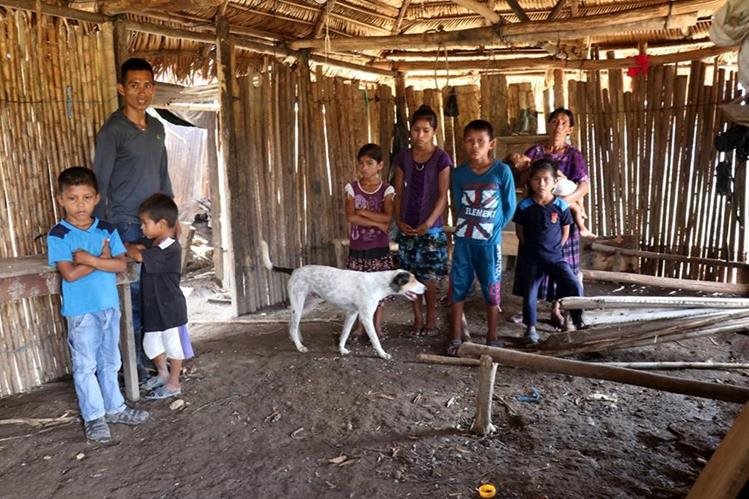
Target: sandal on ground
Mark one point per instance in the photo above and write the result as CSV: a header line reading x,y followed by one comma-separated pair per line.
x,y
430,332
495,343
153,382
452,348
127,416
162,392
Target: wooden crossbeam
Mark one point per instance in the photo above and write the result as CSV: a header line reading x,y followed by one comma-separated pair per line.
x,y
634,19
112,7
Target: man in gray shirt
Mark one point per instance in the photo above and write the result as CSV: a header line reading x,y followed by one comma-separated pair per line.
x,y
131,164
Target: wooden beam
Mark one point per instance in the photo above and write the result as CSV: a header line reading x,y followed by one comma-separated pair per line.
x,y
542,63
670,302
322,19
666,282
401,15
716,391
556,10
518,10
482,422
482,9
251,45
642,18
112,7
55,10
667,256
727,471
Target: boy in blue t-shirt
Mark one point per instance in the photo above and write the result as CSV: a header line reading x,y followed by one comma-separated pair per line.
x,y
543,225
484,192
88,253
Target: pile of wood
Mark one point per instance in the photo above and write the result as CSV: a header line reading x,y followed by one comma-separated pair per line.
x,y
641,321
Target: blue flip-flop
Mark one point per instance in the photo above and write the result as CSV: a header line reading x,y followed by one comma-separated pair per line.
x,y
162,393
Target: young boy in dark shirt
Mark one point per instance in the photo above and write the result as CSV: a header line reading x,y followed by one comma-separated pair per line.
x,y
163,306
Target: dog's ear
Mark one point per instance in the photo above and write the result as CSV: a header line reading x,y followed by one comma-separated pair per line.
x,y
399,280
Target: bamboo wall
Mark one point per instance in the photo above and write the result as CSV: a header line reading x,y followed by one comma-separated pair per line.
x,y
298,149
652,163
52,101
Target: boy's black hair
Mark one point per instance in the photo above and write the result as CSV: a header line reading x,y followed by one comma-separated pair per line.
x,y
134,64
160,207
562,110
480,126
371,151
425,113
76,175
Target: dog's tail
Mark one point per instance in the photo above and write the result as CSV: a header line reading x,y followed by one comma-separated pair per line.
x,y
265,255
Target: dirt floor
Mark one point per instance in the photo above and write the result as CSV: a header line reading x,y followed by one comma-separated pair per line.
x,y
262,420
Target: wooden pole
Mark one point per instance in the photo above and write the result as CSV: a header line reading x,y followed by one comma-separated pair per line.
x,y
127,344
666,282
482,423
728,469
447,361
666,256
540,63
237,212
717,366
727,393
588,302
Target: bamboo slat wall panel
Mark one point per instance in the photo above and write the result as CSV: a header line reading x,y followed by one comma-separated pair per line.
x,y
299,136
55,92
652,164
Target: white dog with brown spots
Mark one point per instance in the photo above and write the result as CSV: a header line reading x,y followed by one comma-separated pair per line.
x,y
356,293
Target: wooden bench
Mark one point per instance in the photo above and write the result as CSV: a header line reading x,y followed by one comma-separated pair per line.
x,y
28,277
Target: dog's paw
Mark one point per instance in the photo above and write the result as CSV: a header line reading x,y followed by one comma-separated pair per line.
x,y
386,356
344,351
302,348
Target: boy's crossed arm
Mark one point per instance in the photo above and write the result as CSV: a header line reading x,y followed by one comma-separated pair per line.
x,y
84,263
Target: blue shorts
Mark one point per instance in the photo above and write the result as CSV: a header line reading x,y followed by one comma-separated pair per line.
x,y
483,261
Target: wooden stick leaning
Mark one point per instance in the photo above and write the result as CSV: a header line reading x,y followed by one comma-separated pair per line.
x,y
728,393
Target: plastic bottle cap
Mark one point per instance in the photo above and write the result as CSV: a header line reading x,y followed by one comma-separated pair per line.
x,y
487,490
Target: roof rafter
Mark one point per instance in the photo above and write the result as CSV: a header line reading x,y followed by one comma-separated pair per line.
x,y
556,10
479,8
322,19
518,10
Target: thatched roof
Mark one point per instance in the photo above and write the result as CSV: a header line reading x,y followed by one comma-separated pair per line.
x,y
401,30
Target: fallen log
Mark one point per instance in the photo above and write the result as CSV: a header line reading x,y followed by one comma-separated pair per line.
x,y
588,302
728,393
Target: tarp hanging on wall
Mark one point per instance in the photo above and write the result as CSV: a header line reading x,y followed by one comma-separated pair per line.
x,y
730,26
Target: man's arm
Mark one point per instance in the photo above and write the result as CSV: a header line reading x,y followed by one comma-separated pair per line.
x,y
104,157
